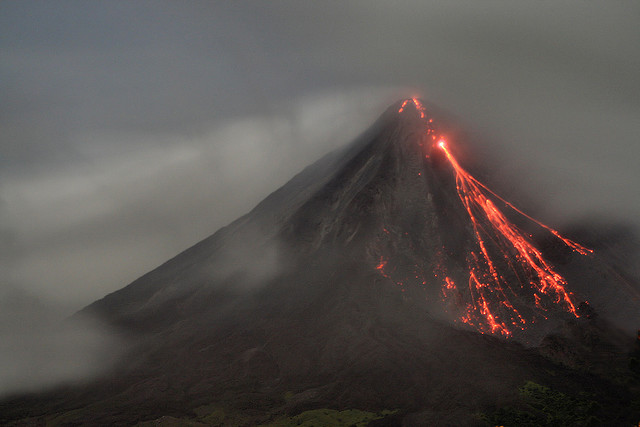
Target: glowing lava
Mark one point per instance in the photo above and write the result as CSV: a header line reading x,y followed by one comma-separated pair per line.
x,y
521,254
417,104
509,282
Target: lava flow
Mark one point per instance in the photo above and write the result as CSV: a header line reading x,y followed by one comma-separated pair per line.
x,y
509,282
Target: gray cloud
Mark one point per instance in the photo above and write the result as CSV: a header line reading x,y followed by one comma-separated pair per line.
x,y
129,131
38,349
125,210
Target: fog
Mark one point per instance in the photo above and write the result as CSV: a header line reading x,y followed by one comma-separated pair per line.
x,y
131,130
41,349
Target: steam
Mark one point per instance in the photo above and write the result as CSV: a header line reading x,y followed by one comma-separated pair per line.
x,y
39,349
71,236
253,257
81,233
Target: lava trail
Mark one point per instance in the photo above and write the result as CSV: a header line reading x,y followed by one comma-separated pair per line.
x,y
509,284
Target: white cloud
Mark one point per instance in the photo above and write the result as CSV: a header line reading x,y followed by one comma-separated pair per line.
x,y
88,230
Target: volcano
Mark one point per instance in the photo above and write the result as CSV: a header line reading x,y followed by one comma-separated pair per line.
x,y
384,281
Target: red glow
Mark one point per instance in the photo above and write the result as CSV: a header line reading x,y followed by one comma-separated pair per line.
x,y
487,287
449,284
416,103
502,249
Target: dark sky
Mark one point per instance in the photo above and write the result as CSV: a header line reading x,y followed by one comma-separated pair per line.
x,y
131,130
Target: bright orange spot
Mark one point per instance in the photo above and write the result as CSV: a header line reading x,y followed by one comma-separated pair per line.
x,y
494,301
416,103
449,283
516,248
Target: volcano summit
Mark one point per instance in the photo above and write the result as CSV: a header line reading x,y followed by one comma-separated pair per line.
x,y
384,280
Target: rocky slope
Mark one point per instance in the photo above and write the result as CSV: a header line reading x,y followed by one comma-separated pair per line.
x,y
331,293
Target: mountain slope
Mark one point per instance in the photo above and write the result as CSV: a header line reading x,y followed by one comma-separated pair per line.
x,y
343,289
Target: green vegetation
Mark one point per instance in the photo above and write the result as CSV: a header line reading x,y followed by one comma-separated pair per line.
x,y
171,422
213,415
216,416
543,406
329,417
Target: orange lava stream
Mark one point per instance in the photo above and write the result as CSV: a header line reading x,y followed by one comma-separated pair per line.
x,y
484,278
573,245
490,307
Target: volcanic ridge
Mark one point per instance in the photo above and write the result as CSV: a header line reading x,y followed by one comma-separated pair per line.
x,y
384,278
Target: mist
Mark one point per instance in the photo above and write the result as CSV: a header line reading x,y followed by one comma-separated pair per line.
x,y
130,131
41,349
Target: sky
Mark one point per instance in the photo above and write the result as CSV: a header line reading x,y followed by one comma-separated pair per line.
x,y
131,130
